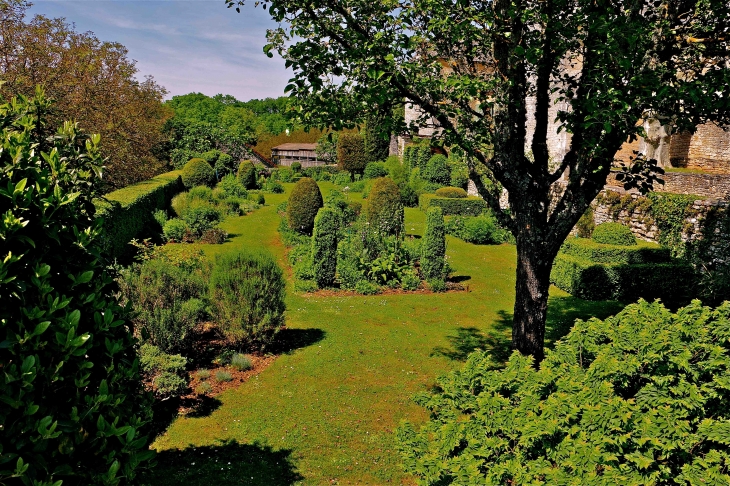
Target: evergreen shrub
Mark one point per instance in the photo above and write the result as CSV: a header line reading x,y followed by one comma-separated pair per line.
x,y
451,192
296,167
434,245
225,165
642,252
421,156
470,206
324,246
198,172
385,209
247,174
436,170
351,156
73,407
174,230
480,230
639,398
586,224
165,371
374,170
613,234
247,295
304,202
459,172
408,196
231,187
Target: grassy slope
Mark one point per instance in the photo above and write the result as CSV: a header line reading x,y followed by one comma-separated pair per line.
x,y
325,413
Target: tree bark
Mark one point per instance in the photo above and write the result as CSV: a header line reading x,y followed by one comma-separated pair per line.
x,y
531,297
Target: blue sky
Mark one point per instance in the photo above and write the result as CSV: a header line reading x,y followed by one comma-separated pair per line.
x,y
187,45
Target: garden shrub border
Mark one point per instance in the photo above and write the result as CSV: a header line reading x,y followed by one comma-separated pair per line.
x,y
642,252
128,212
470,206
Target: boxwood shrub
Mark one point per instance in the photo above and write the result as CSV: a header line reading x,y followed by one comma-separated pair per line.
x,y
470,206
434,245
437,171
304,202
247,174
129,212
198,172
452,192
671,282
613,234
374,170
643,252
324,246
640,398
385,209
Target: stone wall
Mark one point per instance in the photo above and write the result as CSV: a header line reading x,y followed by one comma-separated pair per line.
x,y
705,185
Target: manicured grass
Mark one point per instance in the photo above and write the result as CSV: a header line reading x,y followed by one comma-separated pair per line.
x,y
325,413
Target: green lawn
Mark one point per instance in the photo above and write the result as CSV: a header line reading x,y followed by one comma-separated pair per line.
x,y
325,412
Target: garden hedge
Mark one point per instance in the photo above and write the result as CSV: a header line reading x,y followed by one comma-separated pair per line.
x,y
452,192
644,252
672,282
198,172
304,202
613,234
470,206
128,212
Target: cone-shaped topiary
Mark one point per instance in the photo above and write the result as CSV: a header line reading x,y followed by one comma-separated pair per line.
x,y
385,209
434,245
247,174
613,234
304,202
198,172
324,246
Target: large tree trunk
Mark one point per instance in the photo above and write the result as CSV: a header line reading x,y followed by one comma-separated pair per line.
x,y
531,297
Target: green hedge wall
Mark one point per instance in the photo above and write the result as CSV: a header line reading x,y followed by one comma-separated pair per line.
x,y
643,252
470,206
671,282
128,211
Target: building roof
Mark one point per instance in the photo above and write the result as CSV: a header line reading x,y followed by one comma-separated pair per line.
x,y
295,146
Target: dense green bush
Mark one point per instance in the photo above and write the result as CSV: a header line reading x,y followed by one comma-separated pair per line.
x,y
201,218
408,196
385,209
433,258
175,230
452,192
225,165
436,171
73,406
422,156
166,300
643,252
283,174
273,187
351,156
231,187
296,167
480,230
211,156
470,206
640,398
672,282
324,246
247,174
613,234
128,213
374,170
247,295
198,172
459,172
165,371
304,202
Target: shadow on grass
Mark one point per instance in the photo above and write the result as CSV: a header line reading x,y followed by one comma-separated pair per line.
x,y
228,463
164,412
497,339
288,340
459,278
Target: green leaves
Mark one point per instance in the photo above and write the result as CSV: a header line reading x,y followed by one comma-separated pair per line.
x,y
640,398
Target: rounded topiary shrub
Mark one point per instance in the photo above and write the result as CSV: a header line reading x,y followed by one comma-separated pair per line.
x,y
437,171
247,174
613,234
433,249
640,398
385,209
304,202
324,246
374,170
224,165
451,192
198,172
247,295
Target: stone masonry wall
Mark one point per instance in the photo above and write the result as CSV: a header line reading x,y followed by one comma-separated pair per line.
x,y
706,185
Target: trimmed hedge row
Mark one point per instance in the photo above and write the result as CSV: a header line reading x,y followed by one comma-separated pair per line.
x,y
671,282
128,211
470,206
643,252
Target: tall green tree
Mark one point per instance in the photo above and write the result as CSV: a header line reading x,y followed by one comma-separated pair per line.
x,y
471,65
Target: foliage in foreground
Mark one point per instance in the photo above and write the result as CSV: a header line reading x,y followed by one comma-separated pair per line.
x,y
640,398
73,406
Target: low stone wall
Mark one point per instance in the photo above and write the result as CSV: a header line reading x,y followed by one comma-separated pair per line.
x,y
706,185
